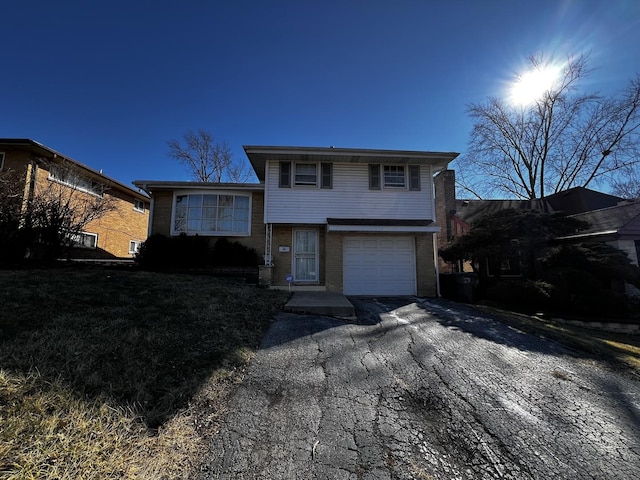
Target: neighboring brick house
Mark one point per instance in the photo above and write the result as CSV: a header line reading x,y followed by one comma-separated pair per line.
x,y
612,219
356,221
117,234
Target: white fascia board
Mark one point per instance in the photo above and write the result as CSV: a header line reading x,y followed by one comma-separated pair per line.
x,y
381,228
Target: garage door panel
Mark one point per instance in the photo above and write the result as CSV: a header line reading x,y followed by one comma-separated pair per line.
x,y
379,266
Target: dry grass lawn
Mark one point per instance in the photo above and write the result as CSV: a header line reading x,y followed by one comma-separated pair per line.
x,y
119,374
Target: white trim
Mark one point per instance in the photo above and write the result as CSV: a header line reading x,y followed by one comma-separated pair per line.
x,y
136,209
381,228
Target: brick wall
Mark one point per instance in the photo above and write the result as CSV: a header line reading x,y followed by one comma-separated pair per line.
x,y
425,266
445,198
161,222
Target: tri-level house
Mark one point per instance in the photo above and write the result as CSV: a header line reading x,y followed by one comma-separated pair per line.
x,y
36,168
356,221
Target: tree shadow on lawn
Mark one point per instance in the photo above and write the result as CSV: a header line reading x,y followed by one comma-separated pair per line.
x,y
146,341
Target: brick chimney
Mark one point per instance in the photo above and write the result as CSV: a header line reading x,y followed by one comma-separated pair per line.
x,y
445,197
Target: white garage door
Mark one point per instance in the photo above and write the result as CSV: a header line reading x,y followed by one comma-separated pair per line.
x,y
379,266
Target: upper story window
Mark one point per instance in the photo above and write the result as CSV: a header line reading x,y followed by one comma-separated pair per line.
x,y
212,214
394,177
138,205
305,174
74,180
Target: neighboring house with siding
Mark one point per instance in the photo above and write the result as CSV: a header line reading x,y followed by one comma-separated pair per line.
x,y
117,234
357,221
618,226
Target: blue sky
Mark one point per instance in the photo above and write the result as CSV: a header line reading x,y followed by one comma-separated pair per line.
x,y
109,83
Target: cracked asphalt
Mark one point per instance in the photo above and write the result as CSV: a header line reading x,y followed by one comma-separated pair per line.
x,y
424,389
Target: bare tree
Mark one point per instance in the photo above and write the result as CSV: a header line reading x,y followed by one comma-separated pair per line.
x,y
627,185
561,140
206,160
59,211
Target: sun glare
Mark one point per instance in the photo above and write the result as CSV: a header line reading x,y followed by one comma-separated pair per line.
x,y
531,85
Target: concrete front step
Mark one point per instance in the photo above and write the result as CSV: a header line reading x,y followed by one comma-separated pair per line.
x,y
320,303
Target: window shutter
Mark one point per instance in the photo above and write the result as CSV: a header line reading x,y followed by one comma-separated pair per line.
x,y
374,177
414,177
326,170
285,175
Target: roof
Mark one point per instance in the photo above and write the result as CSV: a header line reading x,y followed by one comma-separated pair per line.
x,y
259,155
623,219
43,149
581,199
572,201
156,185
470,211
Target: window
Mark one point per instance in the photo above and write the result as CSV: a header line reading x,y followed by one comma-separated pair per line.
x,y
306,174
71,178
84,240
212,214
394,176
138,205
134,246
1,160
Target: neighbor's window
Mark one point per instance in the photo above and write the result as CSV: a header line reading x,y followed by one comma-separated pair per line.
x,y
134,246
138,205
75,180
212,214
84,240
306,174
394,176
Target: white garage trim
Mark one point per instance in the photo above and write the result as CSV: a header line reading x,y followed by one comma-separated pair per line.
x,y
379,265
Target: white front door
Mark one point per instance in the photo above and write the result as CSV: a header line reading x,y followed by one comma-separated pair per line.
x,y
305,255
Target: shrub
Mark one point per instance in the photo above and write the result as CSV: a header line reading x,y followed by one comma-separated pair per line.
x,y
155,252
580,292
227,254
520,294
160,251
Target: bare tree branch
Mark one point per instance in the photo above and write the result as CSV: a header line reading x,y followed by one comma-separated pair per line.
x,y
206,160
561,140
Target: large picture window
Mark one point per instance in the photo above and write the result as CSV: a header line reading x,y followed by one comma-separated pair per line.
x,y
212,214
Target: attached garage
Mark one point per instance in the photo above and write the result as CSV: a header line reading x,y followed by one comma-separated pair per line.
x,y
383,265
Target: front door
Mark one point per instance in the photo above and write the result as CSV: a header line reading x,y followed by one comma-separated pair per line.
x,y
305,255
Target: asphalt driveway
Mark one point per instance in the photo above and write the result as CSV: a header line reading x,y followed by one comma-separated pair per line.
x,y
426,390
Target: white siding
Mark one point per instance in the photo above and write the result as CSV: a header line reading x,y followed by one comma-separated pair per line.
x,y
350,197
